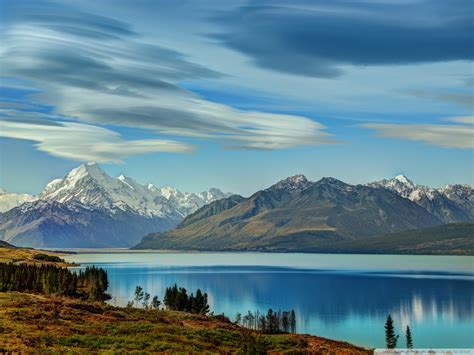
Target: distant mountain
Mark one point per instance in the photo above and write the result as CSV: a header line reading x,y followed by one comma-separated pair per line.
x,y
88,208
294,215
11,200
453,203
447,239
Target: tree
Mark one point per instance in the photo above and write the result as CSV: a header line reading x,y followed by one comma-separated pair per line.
x,y
390,337
138,295
146,299
155,303
238,318
409,338
292,321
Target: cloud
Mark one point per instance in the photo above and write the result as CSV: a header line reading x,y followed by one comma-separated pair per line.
x,y
464,99
464,119
99,71
318,39
447,136
77,141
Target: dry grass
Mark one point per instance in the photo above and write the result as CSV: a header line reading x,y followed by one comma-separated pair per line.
x,y
25,255
35,323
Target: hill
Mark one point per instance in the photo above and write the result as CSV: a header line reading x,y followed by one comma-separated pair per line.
x,y
449,239
294,215
37,323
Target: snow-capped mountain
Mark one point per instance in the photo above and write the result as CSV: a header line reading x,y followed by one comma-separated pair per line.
x,y
452,203
11,200
77,207
296,182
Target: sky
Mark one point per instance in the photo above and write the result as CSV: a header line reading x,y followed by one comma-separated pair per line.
x,y
235,94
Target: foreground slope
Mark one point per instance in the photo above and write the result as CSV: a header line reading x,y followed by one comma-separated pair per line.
x,y
36,323
294,215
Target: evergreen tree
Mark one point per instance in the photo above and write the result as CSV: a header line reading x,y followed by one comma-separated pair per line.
x,y
146,299
238,318
292,321
138,295
390,337
155,303
409,338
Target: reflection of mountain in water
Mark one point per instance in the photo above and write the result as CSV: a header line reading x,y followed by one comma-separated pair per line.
x,y
331,297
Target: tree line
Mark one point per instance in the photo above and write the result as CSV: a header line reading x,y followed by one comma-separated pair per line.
x,y
90,283
175,299
391,339
272,322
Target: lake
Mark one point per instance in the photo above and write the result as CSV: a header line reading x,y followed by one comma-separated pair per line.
x,y
344,297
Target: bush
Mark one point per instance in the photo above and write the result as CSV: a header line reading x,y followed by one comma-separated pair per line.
x,y
50,258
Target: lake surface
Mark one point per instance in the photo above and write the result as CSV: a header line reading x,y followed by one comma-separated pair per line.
x,y
343,297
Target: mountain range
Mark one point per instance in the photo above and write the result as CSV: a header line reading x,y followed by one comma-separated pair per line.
x,y
89,208
299,215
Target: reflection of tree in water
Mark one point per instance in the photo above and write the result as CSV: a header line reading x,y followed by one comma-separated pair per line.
x,y
331,297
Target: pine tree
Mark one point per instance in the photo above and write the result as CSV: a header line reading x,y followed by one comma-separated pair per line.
x,y
146,299
138,295
292,321
409,338
155,303
390,337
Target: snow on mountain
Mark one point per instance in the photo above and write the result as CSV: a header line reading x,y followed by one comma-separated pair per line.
x,y
89,208
296,182
94,188
450,204
11,200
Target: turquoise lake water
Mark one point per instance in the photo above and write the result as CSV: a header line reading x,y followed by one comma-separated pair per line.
x,y
344,297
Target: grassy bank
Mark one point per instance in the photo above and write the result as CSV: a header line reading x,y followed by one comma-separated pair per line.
x,y
31,322
11,254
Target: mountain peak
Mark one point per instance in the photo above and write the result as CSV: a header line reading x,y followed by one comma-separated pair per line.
x,y
292,183
403,179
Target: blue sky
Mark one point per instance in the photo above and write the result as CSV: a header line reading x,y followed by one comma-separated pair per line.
x,y
237,94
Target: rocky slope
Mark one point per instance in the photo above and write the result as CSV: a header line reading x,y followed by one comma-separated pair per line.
x,y
452,203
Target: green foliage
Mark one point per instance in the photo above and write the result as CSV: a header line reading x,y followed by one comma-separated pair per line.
x,y
390,337
90,284
271,323
409,338
252,345
177,299
138,295
50,258
155,303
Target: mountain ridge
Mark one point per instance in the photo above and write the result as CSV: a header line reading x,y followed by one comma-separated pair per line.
x,y
296,215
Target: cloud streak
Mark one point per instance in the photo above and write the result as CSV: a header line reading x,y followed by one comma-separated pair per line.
x,y
319,38
459,136
99,71
77,141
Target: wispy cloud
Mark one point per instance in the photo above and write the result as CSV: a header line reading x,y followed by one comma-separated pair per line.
x,y
99,71
442,135
77,141
319,38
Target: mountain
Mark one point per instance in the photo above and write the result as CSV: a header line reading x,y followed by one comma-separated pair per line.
x,y
454,203
447,239
11,200
89,208
294,215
